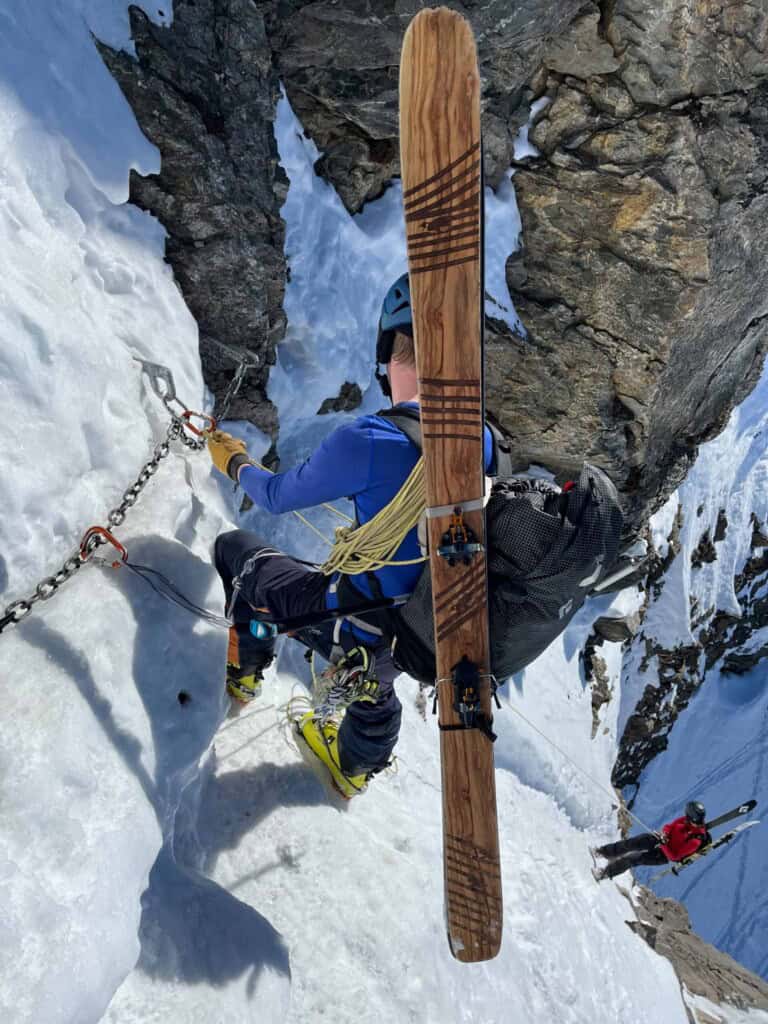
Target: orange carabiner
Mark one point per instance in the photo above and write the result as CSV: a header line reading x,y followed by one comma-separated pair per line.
x,y
107,538
186,416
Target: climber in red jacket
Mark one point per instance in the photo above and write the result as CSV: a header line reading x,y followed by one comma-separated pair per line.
x,y
676,841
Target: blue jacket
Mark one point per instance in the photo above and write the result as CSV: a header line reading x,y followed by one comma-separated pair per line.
x,y
367,461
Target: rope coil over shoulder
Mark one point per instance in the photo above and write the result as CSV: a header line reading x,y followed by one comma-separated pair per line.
x,y
372,545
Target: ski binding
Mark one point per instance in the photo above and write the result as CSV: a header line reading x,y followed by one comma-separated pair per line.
x,y
459,542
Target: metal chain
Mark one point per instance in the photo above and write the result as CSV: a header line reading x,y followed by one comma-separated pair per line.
x,y
234,386
175,432
44,591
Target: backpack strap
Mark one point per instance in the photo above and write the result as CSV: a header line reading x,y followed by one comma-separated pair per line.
x,y
501,465
407,419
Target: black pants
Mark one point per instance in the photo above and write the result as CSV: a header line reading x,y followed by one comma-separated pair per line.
x,y
288,588
630,853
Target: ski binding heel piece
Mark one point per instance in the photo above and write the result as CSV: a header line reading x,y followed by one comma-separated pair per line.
x,y
459,541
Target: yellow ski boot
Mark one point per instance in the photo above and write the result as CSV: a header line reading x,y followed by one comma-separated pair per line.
x,y
322,741
245,669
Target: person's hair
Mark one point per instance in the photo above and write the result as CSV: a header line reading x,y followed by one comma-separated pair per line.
x,y
403,350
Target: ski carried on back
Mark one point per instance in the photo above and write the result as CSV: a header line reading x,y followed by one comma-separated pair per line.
x,y
440,156
737,812
675,869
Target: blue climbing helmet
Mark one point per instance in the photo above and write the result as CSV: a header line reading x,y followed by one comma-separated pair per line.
x,y
395,316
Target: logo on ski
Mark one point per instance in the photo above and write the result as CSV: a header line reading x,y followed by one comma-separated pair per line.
x,y
446,211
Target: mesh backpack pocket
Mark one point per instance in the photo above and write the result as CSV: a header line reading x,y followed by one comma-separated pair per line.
x,y
546,549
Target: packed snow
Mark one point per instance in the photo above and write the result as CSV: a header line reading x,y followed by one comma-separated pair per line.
x,y
160,861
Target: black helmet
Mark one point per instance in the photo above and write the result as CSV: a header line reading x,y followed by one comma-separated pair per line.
x,y
694,811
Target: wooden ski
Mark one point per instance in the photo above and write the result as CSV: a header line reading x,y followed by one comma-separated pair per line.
x,y
440,156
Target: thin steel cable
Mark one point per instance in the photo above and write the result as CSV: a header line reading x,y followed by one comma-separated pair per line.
x,y
612,796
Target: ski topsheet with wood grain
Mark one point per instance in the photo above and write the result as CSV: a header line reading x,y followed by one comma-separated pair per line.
x,y
440,154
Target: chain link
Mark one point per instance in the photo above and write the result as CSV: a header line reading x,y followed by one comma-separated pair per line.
x,y
47,587
44,591
232,390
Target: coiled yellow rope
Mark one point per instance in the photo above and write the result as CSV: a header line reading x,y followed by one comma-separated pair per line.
x,y
371,546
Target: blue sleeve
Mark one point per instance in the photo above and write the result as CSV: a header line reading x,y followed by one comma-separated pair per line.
x,y
339,468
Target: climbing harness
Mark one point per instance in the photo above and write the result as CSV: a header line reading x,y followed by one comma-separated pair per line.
x,y
356,548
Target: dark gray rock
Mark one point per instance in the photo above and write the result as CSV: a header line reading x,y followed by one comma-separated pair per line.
x,y
339,60
721,527
349,397
704,552
759,533
617,630
204,91
721,638
599,683
678,677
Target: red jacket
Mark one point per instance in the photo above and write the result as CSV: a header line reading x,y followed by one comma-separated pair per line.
x,y
682,838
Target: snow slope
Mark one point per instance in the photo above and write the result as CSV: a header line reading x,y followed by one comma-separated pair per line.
x,y
160,862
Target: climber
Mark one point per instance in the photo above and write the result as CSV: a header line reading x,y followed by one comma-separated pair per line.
x,y
367,460
678,839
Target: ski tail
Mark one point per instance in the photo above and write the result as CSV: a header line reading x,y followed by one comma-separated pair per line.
x,y
736,812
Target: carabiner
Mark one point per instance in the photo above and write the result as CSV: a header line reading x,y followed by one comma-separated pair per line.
x,y
187,415
89,544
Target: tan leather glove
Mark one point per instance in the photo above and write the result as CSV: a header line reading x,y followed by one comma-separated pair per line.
x,y
222,447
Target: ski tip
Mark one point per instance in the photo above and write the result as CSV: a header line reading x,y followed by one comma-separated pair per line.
x,y
438,25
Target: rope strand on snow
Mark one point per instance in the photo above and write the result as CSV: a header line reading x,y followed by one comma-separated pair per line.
x,y
167,590
578,767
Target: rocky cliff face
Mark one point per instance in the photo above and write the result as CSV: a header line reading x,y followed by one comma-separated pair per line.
x,y
204,91
638,279
643,277
720,639
702,969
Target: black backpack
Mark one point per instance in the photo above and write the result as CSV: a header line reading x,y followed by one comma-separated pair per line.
x,y
547,547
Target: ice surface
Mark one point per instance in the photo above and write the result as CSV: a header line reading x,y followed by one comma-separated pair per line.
x,y
522,146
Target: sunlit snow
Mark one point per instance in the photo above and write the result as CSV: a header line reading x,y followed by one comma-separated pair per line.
x,y
159,861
